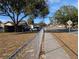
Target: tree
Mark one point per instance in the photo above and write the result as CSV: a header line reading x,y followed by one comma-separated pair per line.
x,y
30,20
51,20
42,24
0,21
66,13
17,10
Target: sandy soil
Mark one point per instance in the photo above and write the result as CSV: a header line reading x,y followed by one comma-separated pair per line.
x,y
9,42
70,40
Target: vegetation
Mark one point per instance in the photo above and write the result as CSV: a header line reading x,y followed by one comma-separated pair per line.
x,y
0,22
42,24
30,20
66,13
17,10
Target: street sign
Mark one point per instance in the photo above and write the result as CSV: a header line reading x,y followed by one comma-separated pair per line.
x,y
69,22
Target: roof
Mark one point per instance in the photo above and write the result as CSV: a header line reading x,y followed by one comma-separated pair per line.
x,y
9,23
1,24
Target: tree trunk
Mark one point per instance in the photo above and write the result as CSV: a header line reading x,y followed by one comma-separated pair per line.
x,y
65,25
16,28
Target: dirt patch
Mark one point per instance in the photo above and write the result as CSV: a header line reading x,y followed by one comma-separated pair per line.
x,y
9,42
70,40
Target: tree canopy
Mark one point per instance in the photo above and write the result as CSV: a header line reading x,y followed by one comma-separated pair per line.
x,y
17,10
66,13
30,21
42,24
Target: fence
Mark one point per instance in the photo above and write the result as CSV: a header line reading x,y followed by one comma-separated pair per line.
x,y
30,50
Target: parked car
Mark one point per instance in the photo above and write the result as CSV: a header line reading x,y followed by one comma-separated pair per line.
x,y
27,28
36,28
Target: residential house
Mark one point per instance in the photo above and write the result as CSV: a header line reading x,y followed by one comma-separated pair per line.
x,y
22,27
1,27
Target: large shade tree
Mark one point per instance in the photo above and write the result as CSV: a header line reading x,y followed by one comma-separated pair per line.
x,y
30,20
0,21
66,13
17,10
42,24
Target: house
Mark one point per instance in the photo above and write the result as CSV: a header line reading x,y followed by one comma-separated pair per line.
x,y
1,27
9,27
22,27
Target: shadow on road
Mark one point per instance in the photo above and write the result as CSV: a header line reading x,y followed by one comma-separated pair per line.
x,y
60,30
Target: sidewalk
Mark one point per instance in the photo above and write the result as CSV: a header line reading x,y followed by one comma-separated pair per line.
x,y
70,41
52,48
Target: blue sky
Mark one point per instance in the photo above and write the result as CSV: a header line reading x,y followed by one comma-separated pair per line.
x,y
53,6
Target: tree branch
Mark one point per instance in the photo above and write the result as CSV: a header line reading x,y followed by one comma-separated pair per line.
x,y
6,12
22,18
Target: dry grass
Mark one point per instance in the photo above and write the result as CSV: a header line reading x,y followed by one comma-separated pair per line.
x,y
71,41
9,42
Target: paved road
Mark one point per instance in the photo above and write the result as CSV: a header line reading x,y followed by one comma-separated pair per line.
x,y
52,48
75,32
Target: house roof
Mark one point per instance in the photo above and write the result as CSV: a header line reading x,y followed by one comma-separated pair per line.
x,y
9,23
1,24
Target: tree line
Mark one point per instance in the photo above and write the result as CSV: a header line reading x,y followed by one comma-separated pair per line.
x,y
65,13
17,10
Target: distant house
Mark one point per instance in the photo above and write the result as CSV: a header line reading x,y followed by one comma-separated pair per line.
x,y
9,27
1,27
22,27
